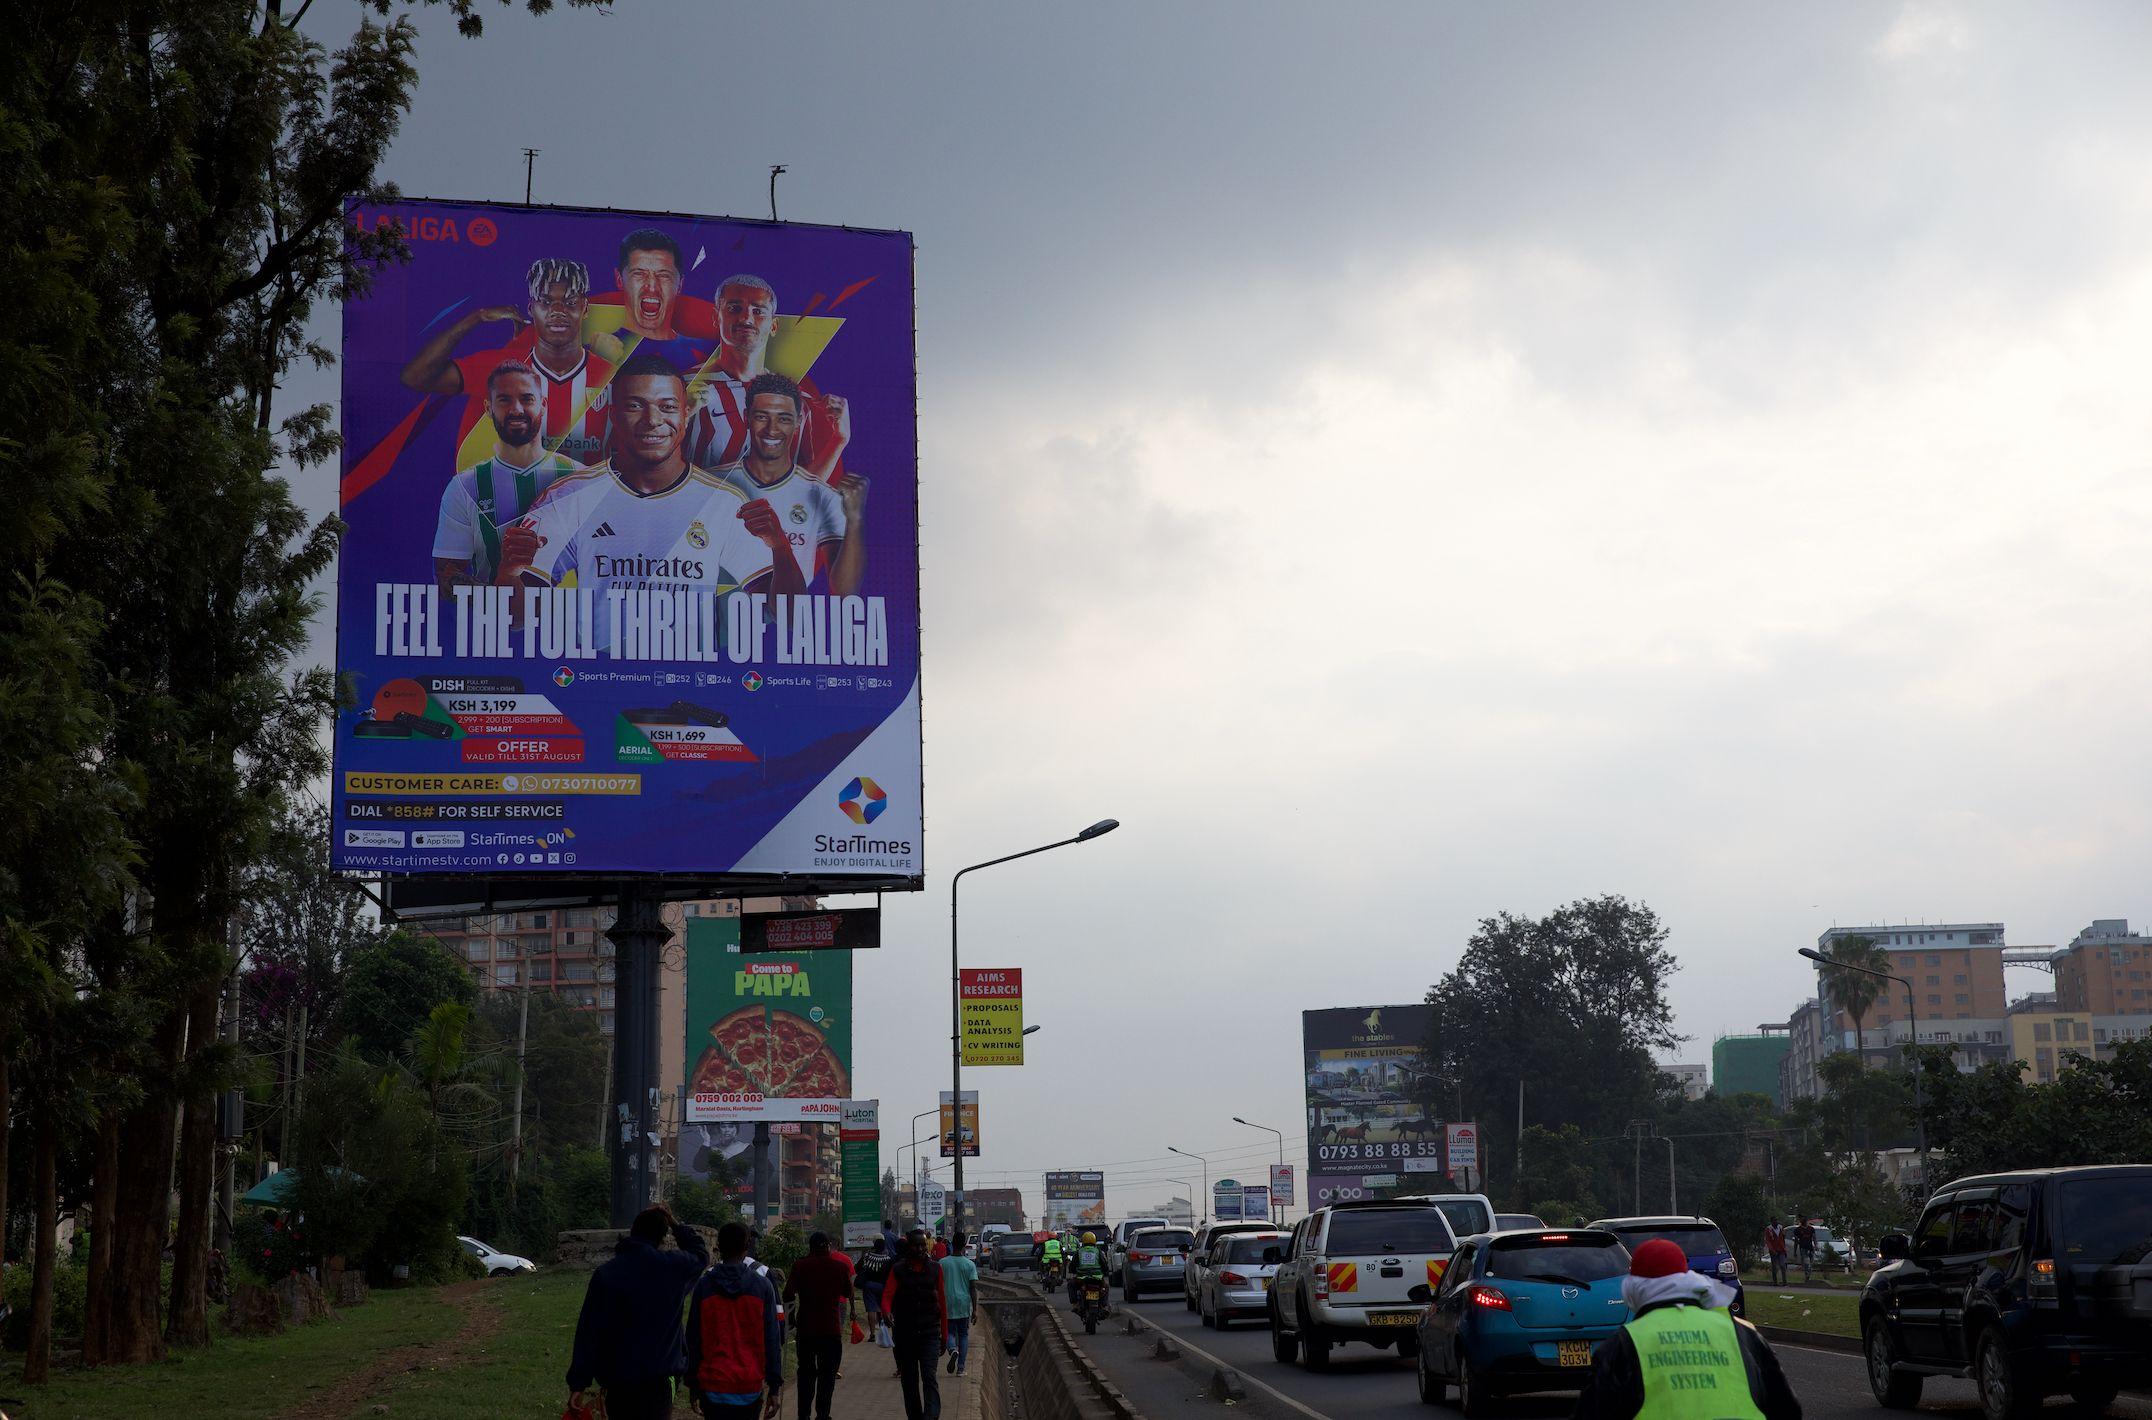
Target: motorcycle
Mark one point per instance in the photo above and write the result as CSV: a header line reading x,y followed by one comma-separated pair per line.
x,y
1092,1303
1053,1275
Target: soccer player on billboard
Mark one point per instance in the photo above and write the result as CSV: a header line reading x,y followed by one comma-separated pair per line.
x,y
820,519
487,497
574,379
651,520
746,316
650,280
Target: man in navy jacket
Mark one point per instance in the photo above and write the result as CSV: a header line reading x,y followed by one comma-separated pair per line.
x,y
628,1336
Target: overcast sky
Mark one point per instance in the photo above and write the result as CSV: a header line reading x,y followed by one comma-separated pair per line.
x,y
1410,462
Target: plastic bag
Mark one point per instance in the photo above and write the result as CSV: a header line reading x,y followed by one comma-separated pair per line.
x,y
592,1408
859,1333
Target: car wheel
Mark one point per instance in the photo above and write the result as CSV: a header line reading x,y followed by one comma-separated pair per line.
x,y
1433,1389
1408,1346
498,1272
1894,1390
1315,1351
1283,1345
1470,1397
2092,1398
2003,1393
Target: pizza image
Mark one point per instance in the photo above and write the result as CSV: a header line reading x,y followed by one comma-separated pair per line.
x,y
758,1050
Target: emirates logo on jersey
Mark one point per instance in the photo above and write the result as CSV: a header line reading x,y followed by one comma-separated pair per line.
x,y
698,536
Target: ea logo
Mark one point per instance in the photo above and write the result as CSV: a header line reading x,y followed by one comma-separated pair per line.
x,y
481,231
862,800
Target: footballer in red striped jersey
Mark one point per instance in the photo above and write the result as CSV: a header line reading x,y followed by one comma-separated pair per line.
x,y
746,316
550,341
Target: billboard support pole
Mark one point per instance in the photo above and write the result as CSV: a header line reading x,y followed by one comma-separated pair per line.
x,y
637,935
761,1154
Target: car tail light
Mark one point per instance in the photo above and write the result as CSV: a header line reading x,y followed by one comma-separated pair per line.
x,y
1727,1268
1321,1280
1232,1279
1490,1298
2043,1277
1139,1257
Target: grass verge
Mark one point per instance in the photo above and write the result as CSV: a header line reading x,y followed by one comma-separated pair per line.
x,y
1809,1311
238,1379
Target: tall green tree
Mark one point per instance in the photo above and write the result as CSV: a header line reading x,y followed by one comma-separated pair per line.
x,y
390,990
1572,1005
1847,979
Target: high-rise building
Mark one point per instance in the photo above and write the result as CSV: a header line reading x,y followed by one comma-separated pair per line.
x,y
1695,1078
1748,1064
1956,969
2106,970
1806,1045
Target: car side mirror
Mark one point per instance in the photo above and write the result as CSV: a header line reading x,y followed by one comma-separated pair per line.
x,y
1271,1257
1895,1247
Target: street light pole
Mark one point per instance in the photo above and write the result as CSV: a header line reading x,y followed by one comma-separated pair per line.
x,y
914,1147
1203,1203
956,1001
1281,1145
1912,1010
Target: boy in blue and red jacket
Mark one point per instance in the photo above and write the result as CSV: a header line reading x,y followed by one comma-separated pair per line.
x,y
735,1336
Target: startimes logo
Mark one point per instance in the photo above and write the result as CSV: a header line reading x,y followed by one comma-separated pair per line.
x,y
862,800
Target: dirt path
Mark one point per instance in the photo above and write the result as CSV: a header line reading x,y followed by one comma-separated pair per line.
x,y
481,1318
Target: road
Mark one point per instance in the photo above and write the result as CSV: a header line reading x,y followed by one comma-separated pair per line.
x,y
1365,1384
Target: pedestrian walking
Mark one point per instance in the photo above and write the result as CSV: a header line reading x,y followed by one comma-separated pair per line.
x,y
873,1272
959,1272
1774,1250
1804,1247
819,1296
627,1337
735,1337
1682,1354
892,1240
919,1321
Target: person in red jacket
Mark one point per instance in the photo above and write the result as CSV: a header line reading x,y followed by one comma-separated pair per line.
x,y
819,1290
918,1314
735,1336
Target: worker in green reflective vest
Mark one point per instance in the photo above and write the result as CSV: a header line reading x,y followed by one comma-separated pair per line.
x,y
1682,1355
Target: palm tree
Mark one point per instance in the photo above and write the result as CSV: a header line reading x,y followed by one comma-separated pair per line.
x,y
1856,991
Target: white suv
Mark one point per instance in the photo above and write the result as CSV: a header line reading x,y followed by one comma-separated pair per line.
x,y
1357,1272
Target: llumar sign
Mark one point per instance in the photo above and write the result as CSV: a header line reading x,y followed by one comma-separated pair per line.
x,y
991,1026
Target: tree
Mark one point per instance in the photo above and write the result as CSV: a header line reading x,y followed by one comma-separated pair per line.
x,y
391,988
564,1065
1737,1204
1557,1170
1573,1004
383,1183
1848,981
173,206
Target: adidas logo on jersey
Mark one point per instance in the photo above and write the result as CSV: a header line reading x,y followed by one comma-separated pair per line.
x,y
602,530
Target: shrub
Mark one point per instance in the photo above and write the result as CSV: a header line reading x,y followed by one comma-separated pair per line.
x,y
70,1288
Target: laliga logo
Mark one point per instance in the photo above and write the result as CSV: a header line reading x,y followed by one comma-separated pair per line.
x,y
862,800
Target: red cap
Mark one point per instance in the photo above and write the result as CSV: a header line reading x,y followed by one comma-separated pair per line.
x,y
1658,1258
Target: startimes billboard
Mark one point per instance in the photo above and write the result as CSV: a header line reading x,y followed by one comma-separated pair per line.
x,y
631,578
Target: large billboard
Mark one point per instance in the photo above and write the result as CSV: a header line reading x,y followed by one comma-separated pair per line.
x,y
1369,1134
1075,1198
630,577
768,1037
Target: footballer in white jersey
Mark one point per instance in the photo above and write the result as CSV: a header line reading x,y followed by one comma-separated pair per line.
x,y
824,522
481,500
650,520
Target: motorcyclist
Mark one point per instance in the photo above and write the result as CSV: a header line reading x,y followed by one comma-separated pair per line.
x,y
1088,1263
1050,1255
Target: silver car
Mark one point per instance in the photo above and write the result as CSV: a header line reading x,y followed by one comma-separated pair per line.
x,y
1155,1261
1237,1268
1199,1256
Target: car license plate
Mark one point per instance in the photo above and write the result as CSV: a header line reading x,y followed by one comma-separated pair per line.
x,y
1266,1284
1574,1353
1393,1318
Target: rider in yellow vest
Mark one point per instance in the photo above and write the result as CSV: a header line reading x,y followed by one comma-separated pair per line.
x,y
1682,1356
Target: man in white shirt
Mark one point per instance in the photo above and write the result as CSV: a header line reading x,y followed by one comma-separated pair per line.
x,y
479,502
650,521
820,520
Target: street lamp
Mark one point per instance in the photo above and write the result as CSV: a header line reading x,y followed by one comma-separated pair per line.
x,y
1267,1130
1912,1008
914,1147
956,1001
1031,1030
1203,1203
1185,1188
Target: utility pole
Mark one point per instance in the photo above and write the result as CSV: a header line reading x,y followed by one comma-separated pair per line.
x,y
530,168
298,1094
1673,1201
775,169
233,1117
1517,1178
523,1031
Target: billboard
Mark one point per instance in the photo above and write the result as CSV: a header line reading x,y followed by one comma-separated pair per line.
x,y
991,1023
1075,1198
1226,1196
970,1124
630,580
768,1037
1281,1184
1368,1128
859,1135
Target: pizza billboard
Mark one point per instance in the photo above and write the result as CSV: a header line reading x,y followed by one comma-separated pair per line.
x,y
630,578
1369,1133
768,1037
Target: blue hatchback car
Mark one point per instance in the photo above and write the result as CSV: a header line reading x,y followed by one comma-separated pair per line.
x,y
1521,1311
1700,1238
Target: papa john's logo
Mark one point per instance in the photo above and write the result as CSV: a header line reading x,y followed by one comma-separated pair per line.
x,y
862,800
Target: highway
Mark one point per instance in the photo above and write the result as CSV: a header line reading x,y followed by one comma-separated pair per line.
x,y
1365,1384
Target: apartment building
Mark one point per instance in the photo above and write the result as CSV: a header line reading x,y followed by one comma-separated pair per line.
x,y
2106,970
1957,973
1806,1045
